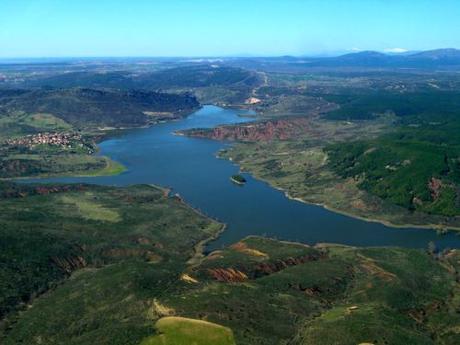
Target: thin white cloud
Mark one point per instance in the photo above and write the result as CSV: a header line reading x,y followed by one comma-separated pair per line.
x,y
395,50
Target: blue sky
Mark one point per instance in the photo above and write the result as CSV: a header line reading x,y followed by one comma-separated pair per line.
x,y
44,28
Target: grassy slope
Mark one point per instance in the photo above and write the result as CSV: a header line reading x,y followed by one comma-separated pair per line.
x,y
183,331
60,164
127,246
339,295
17,124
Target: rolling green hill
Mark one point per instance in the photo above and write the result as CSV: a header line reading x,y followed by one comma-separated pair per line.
x,y
114,244
87,108
90,278
189,76
417,167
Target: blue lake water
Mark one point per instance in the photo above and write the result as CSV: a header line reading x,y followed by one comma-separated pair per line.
x,y
189,166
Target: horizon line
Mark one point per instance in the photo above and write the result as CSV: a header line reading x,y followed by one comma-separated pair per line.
x,y
232,56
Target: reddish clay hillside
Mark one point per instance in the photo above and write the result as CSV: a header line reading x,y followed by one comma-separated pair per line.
x,y
258,131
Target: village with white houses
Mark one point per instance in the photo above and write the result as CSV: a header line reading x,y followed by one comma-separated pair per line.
x,y
63,140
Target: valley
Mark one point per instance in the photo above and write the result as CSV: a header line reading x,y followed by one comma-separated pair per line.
x,y
127,229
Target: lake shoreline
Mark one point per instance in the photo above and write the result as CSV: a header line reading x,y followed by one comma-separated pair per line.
x,y
432,227
189,168
440,229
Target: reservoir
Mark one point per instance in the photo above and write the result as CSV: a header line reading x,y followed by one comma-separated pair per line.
x,y
189,167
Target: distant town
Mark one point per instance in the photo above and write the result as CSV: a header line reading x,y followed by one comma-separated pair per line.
x,y
63,140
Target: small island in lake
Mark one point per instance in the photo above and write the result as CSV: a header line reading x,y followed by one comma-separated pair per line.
x,y
238,179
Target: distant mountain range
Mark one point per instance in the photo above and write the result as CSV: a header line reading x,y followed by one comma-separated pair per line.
x,y
439,58
430,58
